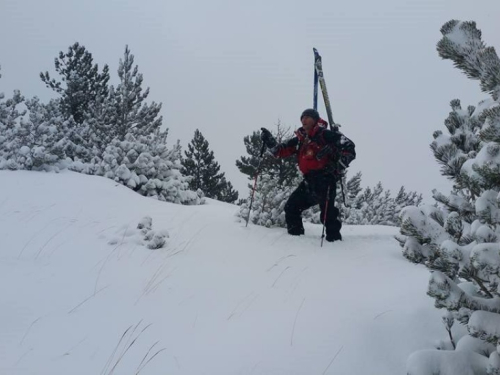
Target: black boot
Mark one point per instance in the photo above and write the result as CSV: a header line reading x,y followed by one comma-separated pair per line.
x,y
296,231
331,237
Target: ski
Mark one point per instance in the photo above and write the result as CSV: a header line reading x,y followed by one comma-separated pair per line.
x,y
315,94
319,76
318,67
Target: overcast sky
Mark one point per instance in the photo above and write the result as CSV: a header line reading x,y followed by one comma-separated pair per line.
x,y
230,67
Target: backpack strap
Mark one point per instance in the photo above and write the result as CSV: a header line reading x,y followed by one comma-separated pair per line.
x,y
319,137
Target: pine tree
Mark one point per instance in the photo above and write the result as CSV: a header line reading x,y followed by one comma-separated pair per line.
x,y
269,203
8,109
376,206
248,164
404,199
284,170
42,143
81,83
130,114
122,110
373,206
277,179
146,165
9,128
353,187
44,140
226,192
200,164
458,238
349,214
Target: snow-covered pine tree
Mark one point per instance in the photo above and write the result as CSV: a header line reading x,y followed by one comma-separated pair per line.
x,y
100,123
285,170
83,105
277,179
9,127
353,187
373,206
172,185
42,142
130,113
200,164
78,147
403,199
81,83
350,214
451,151
352,190
120,138
146,165
459,239
269,203
377,206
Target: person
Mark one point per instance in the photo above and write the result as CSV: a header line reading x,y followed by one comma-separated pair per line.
x,y
322,156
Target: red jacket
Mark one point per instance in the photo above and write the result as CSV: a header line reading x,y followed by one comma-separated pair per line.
x,y
307,146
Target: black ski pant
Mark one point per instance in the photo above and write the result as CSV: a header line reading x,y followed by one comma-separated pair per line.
x,y
310,192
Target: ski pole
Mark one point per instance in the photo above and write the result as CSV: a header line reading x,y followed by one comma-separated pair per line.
x,y
324,215
343,193
255,182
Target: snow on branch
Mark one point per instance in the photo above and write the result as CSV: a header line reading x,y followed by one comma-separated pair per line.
x,y
462,44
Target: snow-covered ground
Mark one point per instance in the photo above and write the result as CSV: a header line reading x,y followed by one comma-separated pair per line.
x,y
81,294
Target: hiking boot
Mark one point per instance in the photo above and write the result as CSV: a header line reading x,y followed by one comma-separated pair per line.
x,y
296,231
333,237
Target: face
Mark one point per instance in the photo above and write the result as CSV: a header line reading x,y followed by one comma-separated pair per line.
x,y
307,123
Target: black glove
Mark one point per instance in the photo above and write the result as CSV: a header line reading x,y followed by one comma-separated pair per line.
x,y
346,159
267,138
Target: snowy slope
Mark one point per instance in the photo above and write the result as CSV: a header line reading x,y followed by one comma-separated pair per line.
x,y
218,299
